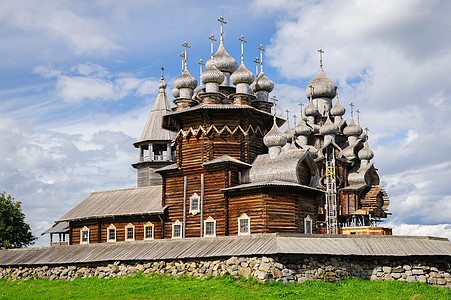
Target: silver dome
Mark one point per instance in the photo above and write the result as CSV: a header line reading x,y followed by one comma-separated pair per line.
x,y
186,80
223,61
322,87
274,137
242,75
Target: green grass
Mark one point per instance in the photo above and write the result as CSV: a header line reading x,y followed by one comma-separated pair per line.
x,y
158,287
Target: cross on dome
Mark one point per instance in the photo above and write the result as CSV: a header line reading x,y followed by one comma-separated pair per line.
x,y
185,45
274,100
352,109
242,47
162,73
358,117
257,63
301,105
288,117
182,55
221,20
212,39
321,51
261,57
295,118
201,64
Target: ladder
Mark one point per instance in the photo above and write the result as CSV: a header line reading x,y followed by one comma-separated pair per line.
x,y
331,195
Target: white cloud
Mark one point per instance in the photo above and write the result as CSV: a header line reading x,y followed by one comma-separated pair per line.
x,y
50,172
93,81
59,20
440,230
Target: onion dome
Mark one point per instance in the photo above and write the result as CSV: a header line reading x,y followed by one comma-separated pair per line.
x,y
348,152
289,134
175,92
186,80
212,75
311,110
223,61
337,109
162,85
365,153
262,83
302,129
352,129
328,127
322,87
274,137
242,75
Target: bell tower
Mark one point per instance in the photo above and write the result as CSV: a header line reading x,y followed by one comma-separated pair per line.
x,y
155,142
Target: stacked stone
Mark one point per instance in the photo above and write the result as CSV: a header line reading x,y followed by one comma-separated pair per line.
x,y
282,269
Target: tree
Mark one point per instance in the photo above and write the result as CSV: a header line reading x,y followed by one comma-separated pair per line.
x,y
14,232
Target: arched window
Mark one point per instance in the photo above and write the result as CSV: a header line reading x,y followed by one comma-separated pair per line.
x,y
111,233
244,225
149,231
210,227
84,235
308,225
177,227
194,201
130,232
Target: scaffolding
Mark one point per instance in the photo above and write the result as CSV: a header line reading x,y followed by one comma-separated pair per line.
x,y
331,196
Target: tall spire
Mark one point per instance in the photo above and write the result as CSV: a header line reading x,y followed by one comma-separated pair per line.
x,y
221,20
261,57
242,47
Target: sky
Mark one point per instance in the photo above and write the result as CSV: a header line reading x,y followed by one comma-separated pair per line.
x,y
78,80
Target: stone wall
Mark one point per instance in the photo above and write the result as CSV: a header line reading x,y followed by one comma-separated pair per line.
x,y
287,269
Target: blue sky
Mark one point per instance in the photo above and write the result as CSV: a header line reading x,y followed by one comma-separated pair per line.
x,y
78,79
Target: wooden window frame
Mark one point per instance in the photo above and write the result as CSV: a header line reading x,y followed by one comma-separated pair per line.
x,y
108,237
85,228
149,224
210,220
197,198
130,225
177,223
244,217
308,219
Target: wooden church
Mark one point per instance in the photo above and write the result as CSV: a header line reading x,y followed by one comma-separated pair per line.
x,y
217,164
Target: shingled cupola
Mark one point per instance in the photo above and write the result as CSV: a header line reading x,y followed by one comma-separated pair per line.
x,y
155,143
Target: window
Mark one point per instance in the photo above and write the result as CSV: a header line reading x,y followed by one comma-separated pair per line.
x,y
84,235
177,229
194,204
130,232
244,225
308,225
210,227
111,233
149,231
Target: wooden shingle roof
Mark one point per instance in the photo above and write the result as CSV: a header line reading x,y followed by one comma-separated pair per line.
x,y
153,130
134,201
252,245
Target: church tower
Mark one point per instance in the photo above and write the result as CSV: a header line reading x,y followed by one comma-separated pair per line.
x,y
155,143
